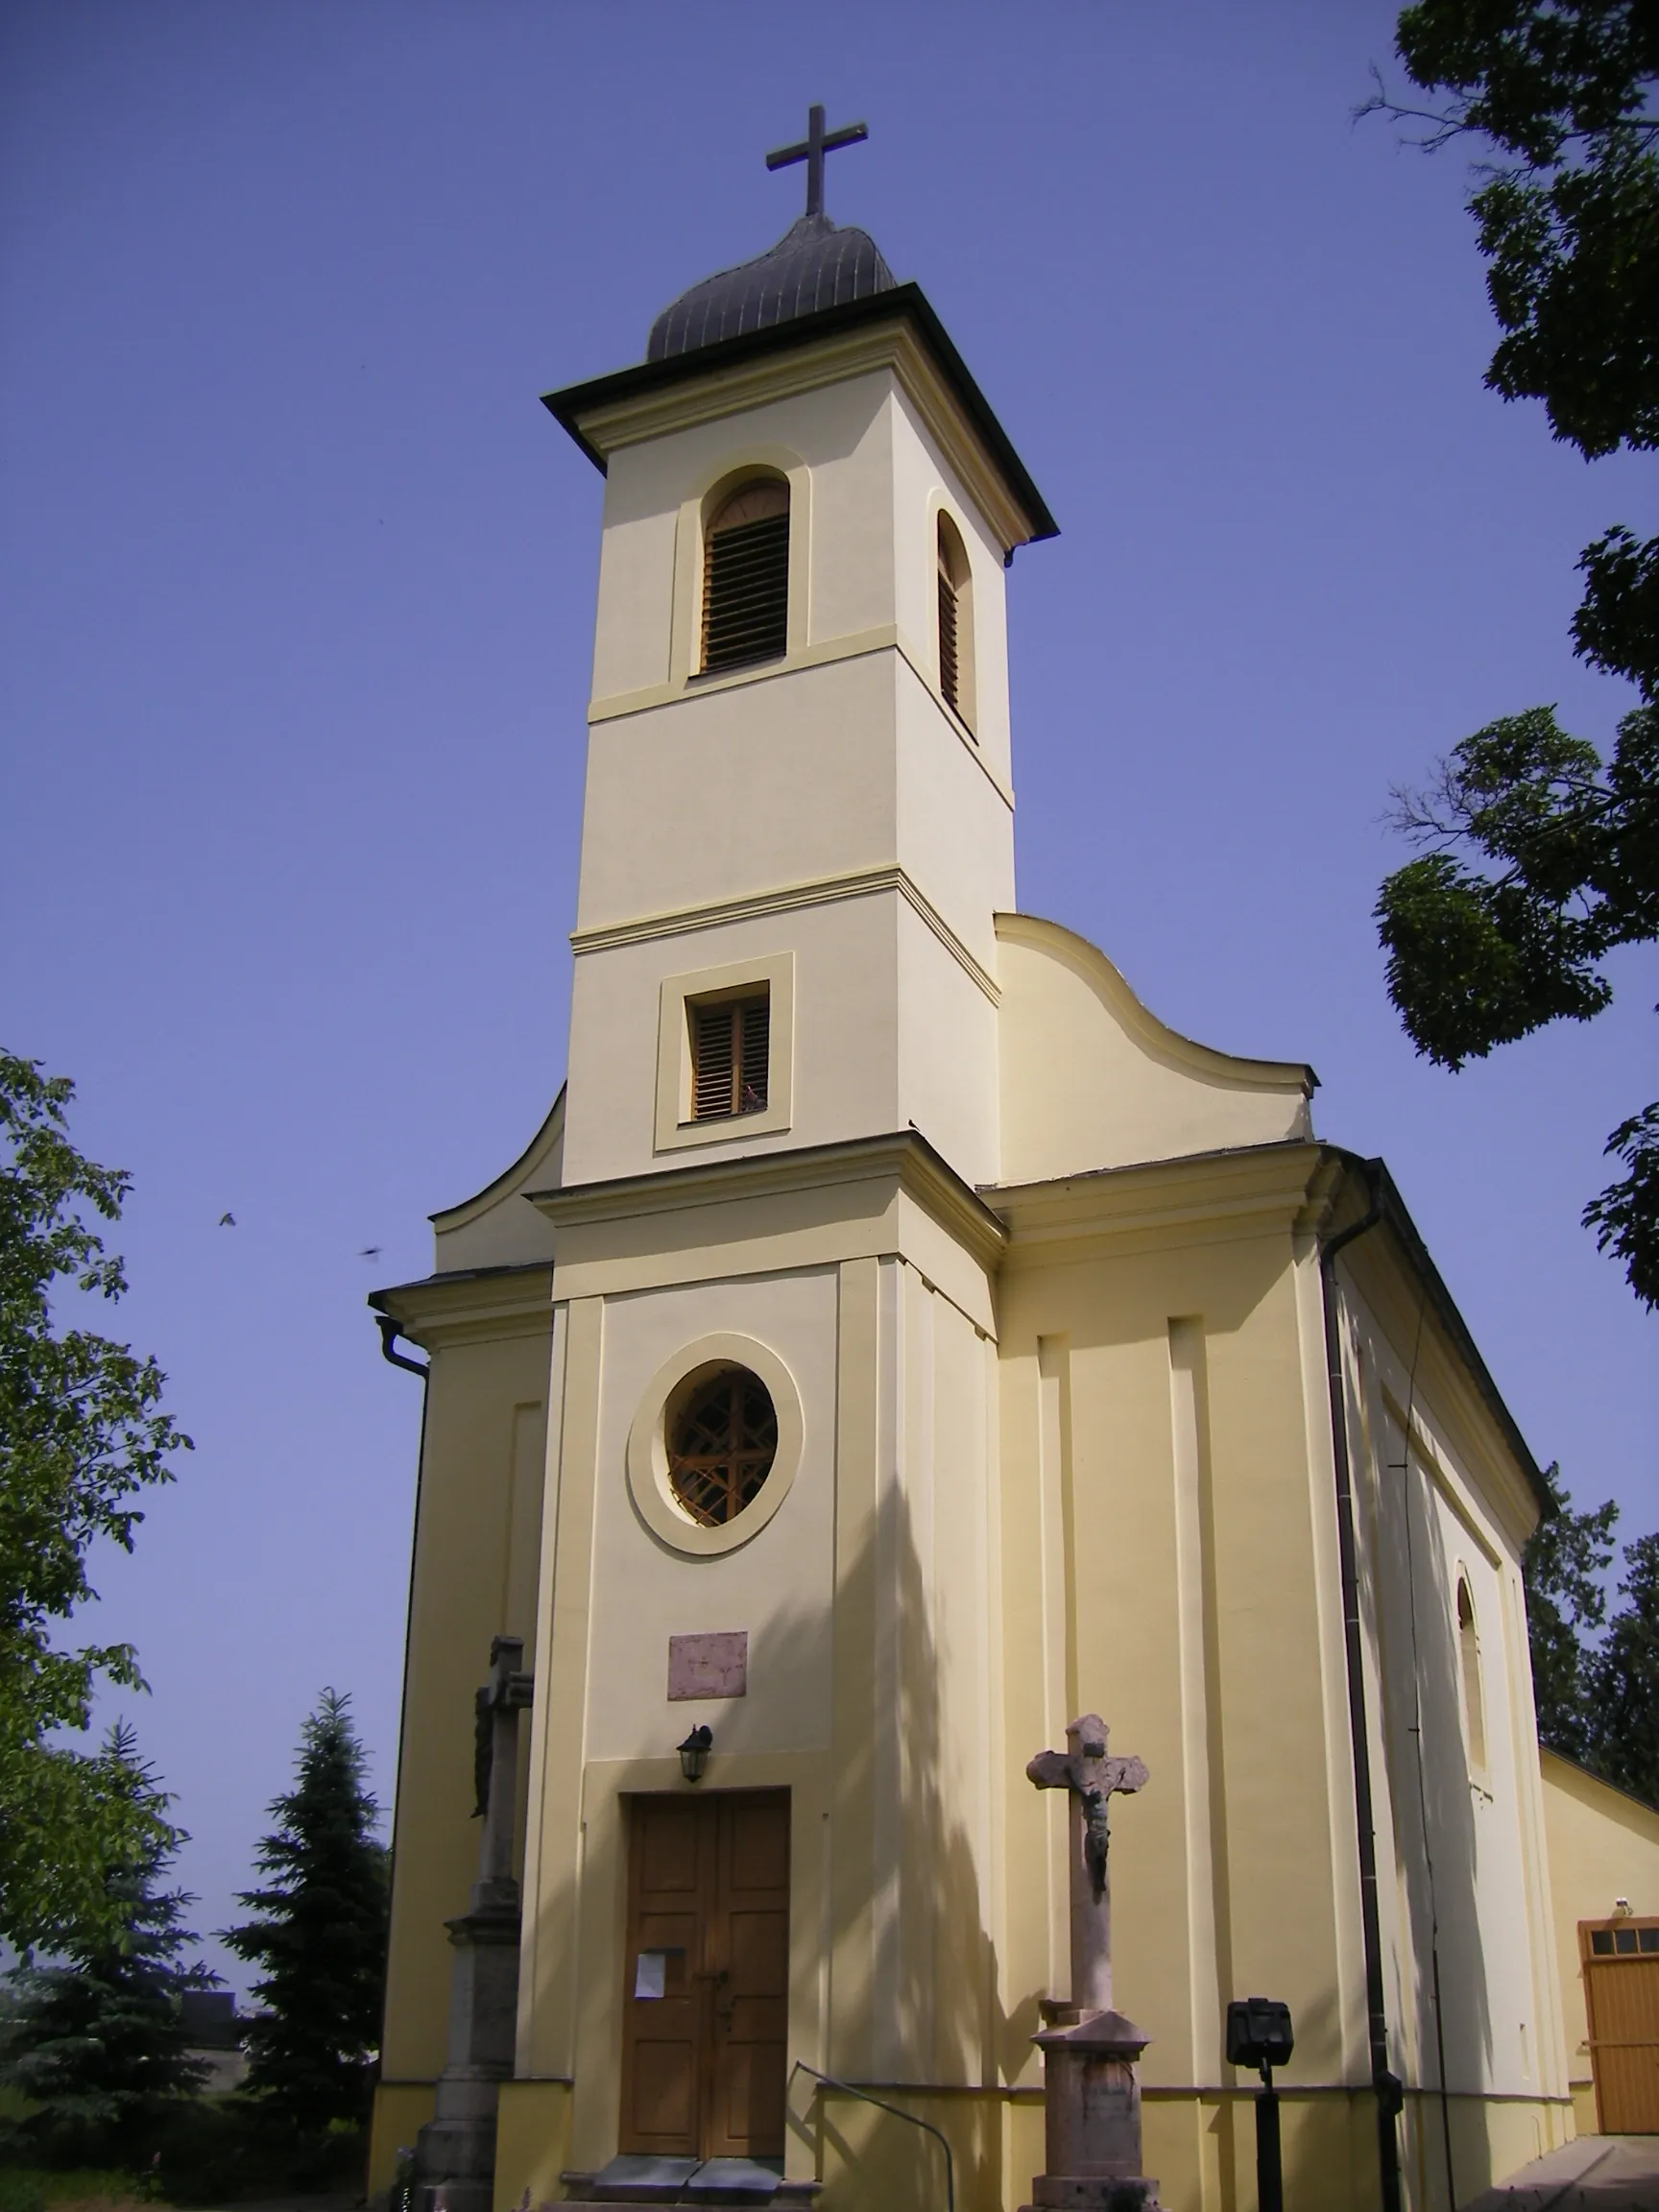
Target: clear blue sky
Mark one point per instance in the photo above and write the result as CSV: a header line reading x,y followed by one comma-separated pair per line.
x,y
296,612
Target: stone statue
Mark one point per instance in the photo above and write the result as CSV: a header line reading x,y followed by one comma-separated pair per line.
x,y
455,2154
1091,2103
1091,1776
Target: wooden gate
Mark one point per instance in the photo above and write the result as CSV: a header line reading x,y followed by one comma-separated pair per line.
x,y
707,1998
1620,1960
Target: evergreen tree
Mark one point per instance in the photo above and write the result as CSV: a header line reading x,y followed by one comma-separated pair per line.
x,y
320,1932
95,2041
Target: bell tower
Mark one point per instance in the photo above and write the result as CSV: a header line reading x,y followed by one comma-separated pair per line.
x,y
799,813
771,1430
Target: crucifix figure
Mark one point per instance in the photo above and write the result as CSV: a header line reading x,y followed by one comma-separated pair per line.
x,y
1089,1776
1090,2051
455,2152
812,149
495,1712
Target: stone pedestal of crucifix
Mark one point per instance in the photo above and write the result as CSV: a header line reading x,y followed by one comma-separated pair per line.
x,y
455,2152
1091,2094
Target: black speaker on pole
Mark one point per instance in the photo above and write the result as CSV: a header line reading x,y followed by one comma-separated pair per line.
x,y
1258,2034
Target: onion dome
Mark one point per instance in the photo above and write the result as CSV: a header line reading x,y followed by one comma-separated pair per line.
x,y
816,264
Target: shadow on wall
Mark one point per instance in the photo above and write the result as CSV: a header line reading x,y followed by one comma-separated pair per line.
x,y
1445,2039
916,1906
913,1974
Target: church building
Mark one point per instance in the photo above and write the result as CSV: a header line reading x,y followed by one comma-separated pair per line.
x,y
896,1341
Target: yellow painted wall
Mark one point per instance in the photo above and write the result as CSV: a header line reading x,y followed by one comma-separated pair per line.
x,y
1164,1528
401,2109
1602,1845
477,1544
531,2143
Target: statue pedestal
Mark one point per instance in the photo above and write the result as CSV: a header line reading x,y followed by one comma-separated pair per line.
x,y
1091,2115
455,2152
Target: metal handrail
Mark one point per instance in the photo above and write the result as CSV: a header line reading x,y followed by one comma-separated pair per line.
x,y
847,2089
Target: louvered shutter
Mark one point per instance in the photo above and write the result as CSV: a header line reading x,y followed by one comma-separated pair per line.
x,y
746,578
711,1060
729,1042
949,661
756,1017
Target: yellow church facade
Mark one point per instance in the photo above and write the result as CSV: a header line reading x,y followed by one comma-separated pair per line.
x,y
896,1341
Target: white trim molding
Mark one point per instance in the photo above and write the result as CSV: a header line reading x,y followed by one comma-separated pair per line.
x,y
773,972
817,891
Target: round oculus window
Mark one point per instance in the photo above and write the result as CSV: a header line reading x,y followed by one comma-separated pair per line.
x,y
721,1435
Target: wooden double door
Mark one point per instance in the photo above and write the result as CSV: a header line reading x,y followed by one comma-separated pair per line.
x,y
1620,1960
705,2000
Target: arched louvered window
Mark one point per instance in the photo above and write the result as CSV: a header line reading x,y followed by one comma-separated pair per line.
x,y
746,576
956,622
1469,1668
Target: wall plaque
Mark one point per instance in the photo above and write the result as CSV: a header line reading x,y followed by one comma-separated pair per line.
x,y
712,1665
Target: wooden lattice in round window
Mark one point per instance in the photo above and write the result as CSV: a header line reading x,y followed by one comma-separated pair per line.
x,y
722,1441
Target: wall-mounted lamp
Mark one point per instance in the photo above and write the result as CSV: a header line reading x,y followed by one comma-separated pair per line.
x,y
694,1752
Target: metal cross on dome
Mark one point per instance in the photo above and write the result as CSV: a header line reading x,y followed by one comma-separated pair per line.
x,y
812,149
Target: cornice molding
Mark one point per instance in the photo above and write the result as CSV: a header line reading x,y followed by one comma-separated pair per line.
x,y
854,645
1197,1196
1416,1281
894,345
905,1158
825,653
817,891
476,1305
1471,1444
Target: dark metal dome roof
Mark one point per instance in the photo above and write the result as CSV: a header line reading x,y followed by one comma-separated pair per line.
x,y
814,265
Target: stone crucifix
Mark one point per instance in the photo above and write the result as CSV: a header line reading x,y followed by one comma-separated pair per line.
x,y
455,2152
496,1761
1086,1772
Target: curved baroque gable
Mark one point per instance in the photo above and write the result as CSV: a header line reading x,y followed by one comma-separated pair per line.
x,y
496,1228
1091,1078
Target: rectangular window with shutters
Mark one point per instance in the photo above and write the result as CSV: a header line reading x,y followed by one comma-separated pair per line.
x,y
725,1052
729,1052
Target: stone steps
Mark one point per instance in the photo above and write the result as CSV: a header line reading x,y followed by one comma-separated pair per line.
x,y
630,2183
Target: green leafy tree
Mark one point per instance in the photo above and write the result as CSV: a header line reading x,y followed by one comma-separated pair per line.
x,y
1624,1680
81,1436
1563,1569
320,1932
1598,1701
1568,869
1543,858
95,2040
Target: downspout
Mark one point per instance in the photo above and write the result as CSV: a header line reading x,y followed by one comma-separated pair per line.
x,y
1388,2089
389,1334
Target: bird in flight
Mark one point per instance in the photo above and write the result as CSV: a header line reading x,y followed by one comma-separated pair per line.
x,y
370,1252
226,1220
